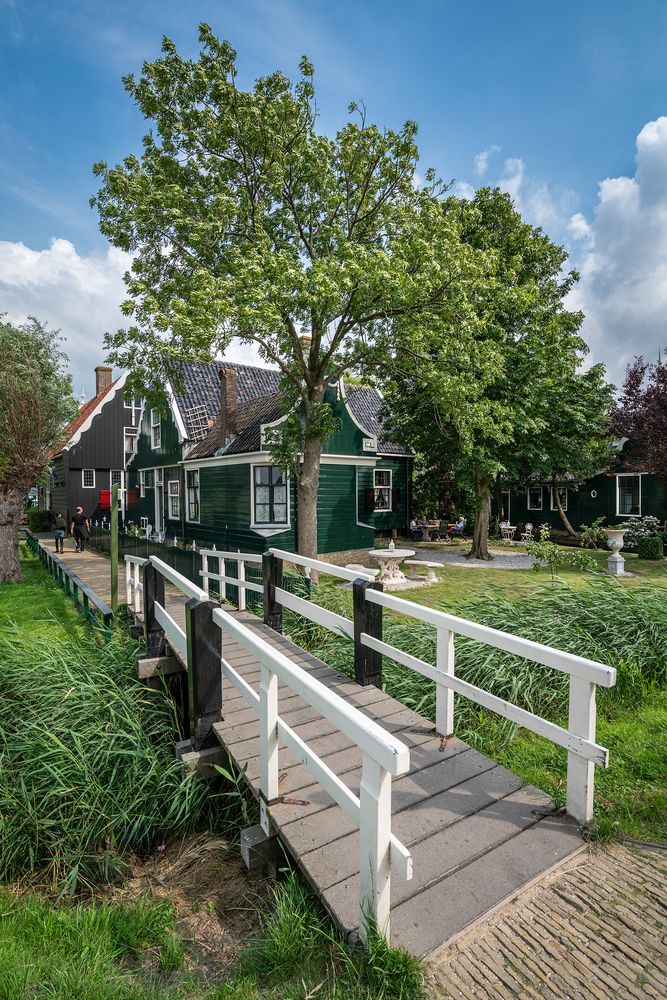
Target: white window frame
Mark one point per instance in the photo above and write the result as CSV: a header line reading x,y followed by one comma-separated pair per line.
x,y
174,496
625,475
390,507
192,520
133,432
142,483
535,489
260,525
554,506
143,522
156,424
84,485
131,405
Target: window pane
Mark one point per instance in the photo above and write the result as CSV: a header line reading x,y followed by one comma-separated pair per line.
x,y
262,513
280,513
276,475
262,494
382,477
262,473
280,494
628,495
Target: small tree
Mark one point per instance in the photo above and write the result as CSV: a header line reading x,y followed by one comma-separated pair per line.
x,y
35,402
245,221
642,416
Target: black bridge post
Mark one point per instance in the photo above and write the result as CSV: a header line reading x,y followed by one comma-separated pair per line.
x,y
153,591
368,619
204,675
272,573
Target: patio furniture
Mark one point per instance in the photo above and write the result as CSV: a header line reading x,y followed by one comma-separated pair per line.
x,y
428,530
457,529
390,563
430,569
507,532
527,535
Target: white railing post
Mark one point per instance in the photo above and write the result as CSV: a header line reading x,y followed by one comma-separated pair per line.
x,y
241,589
129,596
444,696
138,603
580,772
374,842
268,743
204,567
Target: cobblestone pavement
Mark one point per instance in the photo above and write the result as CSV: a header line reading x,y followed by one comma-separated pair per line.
x,y
595,931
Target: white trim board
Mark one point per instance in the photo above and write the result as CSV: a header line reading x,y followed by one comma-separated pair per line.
x,y
76,437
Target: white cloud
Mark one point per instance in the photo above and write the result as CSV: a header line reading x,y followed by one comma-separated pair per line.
x,y
463,190
623,289
481,161
78,294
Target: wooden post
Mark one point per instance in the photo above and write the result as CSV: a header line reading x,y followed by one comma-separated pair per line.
x,y
272,572
444,696
268,744
204,673
113,548
580,772
86,606
374,841
153,591
368,619
137,593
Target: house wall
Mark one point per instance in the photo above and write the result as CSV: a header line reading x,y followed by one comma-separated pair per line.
x,y
398,516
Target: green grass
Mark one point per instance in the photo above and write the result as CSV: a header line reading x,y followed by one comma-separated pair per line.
x,y
134,951
38,606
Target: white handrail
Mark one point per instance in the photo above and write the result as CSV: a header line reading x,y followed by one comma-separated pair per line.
x,y
321,567
548,656
178,580
382,756
173,632
254,557
321,616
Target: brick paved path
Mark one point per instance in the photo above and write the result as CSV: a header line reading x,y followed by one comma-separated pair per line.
x,y
595,931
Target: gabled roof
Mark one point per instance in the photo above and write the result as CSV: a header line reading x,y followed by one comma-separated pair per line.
x,y
201,387
259,402
84,417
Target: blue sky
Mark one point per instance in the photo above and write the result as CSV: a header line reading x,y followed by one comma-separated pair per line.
x,y
553,95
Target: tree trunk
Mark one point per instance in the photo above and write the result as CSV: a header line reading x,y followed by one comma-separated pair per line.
x,y
307,487
563,516
10,511
480,538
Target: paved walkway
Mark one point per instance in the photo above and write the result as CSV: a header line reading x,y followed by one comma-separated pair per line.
x,y
594,932
502,558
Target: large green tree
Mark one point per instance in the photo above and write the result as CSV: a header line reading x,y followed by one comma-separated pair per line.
x,y
245,221
35,402
506,396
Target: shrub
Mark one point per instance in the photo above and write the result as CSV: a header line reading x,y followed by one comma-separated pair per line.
x,y
593,536
651,547
39,519
639,527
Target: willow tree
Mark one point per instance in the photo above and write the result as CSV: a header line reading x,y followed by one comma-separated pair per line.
x,y
489,403
246,221
35,402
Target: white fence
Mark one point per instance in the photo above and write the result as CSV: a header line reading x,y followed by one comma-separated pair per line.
x,y
133,584
239,581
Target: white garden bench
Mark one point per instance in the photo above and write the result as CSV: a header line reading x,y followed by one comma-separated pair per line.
x,y
430,569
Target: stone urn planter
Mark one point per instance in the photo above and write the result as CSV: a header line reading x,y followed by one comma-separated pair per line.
x,y
615,562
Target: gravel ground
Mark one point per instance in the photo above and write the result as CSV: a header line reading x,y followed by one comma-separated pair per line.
x,y
502,559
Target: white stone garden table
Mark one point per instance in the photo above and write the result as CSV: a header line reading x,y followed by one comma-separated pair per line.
x,y
390,561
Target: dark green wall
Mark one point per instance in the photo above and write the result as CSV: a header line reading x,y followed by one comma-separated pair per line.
x,y
398,516
337,527
169,452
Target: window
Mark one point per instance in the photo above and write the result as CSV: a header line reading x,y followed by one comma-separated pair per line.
x,y
192,489
269,495
628,495
174,489
382,488
142,483
117,480
159,477
88,479
562,493
130,440
535,498
143,522
130,404
156,429
149,478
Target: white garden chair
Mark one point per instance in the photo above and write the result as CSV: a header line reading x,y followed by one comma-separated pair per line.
x,y
527,535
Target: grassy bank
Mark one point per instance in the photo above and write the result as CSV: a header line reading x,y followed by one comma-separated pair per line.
x,y
90,793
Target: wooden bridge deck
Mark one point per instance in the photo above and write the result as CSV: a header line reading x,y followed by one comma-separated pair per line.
x,y
478,834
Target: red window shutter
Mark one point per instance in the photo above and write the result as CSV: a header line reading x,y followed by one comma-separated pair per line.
x,y
370,500
132,498
395,498
105,499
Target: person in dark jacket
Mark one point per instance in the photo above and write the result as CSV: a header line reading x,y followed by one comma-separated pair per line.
x,y
80,529
59,529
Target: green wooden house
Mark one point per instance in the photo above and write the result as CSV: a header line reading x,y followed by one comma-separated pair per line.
x,y
617,494
203,471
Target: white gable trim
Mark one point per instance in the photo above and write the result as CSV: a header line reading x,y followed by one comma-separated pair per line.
x,y
178,419
76,437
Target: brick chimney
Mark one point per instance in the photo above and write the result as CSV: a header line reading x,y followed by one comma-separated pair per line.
x,y
103,378
228,402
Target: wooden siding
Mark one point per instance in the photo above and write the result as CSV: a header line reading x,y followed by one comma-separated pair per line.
x,y
349,439
337,527
397,517
170,450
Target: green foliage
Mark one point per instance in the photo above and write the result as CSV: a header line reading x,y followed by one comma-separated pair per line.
x,y
39,519
88,772
637,528
286,442
592,536
556,556
651,547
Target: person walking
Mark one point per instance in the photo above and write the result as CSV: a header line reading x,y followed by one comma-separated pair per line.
x,y
80,529
59,529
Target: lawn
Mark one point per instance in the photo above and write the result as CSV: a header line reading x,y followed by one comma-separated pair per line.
x,y
38,606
